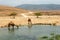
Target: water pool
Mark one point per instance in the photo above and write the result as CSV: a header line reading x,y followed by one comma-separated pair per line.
x,y
25,33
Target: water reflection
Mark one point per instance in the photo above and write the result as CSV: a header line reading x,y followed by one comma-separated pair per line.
x,y
17,26
29,26
35,32
11,29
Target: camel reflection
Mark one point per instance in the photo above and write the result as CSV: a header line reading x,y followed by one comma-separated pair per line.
x,y
29,25
11,29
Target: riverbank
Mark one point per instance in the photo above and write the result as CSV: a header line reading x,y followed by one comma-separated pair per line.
x,y
19,20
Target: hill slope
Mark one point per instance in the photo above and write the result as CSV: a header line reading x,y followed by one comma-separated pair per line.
x,y
40,6
4,10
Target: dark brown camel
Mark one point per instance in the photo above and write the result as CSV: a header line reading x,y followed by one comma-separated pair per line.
x,y
29,23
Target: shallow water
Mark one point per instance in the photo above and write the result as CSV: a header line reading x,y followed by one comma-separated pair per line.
x,y
25,33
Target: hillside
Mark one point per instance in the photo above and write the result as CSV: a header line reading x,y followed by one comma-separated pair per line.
x,y
5,10
39,6
45,9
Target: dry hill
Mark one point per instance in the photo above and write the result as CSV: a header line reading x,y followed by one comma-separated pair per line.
x,y
5,10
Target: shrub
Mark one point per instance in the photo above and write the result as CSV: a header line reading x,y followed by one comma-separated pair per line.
x,y
13,14
37,14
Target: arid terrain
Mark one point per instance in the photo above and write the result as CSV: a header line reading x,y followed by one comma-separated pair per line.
x,y
5,11
48,16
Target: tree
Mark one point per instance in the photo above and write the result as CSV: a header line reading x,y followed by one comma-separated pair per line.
x,y
13,14
38,14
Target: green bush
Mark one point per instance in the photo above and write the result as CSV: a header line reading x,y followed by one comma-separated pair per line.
x,y
37,14
13,14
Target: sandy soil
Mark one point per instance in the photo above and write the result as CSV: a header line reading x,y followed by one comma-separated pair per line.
x,y
23,21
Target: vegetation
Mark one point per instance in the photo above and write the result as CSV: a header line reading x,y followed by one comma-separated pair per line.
x,y
13,14
38,14
52,37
